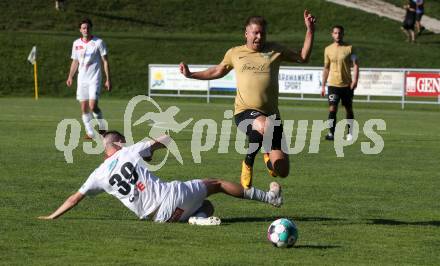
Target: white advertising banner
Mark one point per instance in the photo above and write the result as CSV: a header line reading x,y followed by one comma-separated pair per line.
x,y
290,81
374,82
170,78
227,82
306,81
380,83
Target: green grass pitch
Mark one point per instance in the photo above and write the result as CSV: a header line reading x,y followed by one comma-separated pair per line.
x,y
357,210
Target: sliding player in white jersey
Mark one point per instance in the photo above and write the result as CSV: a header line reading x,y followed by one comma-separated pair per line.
x,y
125,175
87,54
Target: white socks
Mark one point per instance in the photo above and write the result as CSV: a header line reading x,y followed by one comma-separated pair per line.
x,y
86,118
99,117
256,194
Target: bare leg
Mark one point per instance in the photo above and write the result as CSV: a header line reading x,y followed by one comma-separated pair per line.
x,y
222,186
93,105
84,107
419,27
413,35
280,162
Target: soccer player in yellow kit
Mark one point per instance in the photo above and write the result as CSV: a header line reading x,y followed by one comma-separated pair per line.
x,y
256,67
338,58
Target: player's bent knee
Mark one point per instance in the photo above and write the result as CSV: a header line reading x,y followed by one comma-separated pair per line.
x,y
207,208
283,173
84,107
259,124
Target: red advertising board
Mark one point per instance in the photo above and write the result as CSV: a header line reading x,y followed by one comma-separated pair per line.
x,y
422,84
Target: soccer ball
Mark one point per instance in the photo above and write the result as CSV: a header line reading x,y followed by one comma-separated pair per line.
x,y
282,233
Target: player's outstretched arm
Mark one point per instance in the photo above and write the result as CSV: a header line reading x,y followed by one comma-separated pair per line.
x,y
71,202
309,21
303,55
214,72
158,143
72,71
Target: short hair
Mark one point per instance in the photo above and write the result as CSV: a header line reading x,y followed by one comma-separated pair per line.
x,y
338,27
85,21
258,20
112,138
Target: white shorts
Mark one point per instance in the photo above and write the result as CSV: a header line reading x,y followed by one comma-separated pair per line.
x,y
88,91
183,200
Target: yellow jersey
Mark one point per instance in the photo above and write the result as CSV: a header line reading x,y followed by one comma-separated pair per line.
x,y
257,77
338,58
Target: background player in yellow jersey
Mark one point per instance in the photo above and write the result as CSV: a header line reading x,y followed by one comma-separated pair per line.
x,y
256,67
338,59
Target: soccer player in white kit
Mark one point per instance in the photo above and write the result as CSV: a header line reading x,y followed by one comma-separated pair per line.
x,y
87,54
126,176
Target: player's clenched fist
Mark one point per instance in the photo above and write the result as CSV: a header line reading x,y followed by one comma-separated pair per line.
x,y
69,82
309,20
184,70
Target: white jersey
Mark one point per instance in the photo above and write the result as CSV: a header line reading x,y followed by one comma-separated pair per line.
x,y
125,176
88,54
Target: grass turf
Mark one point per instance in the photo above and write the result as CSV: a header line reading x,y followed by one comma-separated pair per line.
x,y
359,209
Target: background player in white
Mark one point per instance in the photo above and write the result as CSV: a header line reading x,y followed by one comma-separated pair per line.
x,y
125,175
87,54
